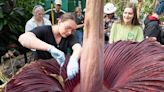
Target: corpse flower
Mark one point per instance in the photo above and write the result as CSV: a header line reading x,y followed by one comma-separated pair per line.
x,y
128,67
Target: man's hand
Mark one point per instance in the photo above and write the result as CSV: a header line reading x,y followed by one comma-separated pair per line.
x,y
58,55
72,67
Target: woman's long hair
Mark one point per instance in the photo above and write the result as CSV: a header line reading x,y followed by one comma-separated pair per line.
x,y
135,20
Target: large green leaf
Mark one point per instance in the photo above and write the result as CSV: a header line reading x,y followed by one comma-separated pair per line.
x,y
19,11
13,17
3,22
1,25
1,3
1,13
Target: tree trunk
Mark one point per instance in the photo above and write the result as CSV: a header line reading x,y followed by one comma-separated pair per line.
x,y
153,5
139,7
92,56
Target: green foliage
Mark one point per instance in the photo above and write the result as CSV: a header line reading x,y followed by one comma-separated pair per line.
x,y
120,6
147,7
13,17
162,19
10,17
28,5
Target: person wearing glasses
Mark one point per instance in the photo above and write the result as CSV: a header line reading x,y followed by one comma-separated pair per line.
x,y
53,41
109,18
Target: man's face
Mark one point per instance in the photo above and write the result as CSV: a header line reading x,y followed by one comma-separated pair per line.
x,y
58,7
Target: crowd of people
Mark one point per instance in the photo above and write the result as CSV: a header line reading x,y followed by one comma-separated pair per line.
x,y
48,40
129,28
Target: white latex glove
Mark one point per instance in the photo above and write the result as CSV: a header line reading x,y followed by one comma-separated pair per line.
x,y
58,55
72,67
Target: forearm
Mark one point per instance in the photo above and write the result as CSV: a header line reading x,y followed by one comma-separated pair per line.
x,y
29,40
80,25
76,50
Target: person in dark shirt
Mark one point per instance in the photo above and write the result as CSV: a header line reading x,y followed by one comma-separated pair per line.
x,y
56,12
52,42
109,19
80,23
152,23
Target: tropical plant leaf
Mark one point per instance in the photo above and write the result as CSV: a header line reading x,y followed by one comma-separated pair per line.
x,y
14,15
1,13
1,25
1,3
19,11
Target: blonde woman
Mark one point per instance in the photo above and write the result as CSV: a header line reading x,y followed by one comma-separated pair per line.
x,y
79,20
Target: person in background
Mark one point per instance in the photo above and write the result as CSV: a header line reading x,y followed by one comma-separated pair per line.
x,y
56,11
37,20
109,18
152,23
79,20
53,41
128,28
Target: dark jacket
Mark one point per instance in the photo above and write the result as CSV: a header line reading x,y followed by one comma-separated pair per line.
x,y
56,16
152,27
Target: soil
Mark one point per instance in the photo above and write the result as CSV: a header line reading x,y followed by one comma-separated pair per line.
x,y
10,66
